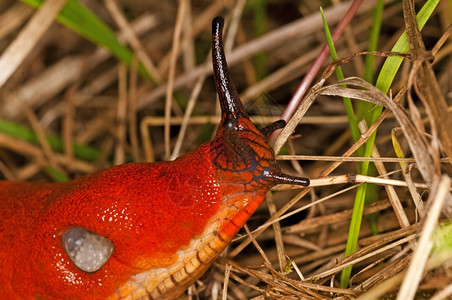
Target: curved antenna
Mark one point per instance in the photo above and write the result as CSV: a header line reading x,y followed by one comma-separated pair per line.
x,y
270,128
278,177
231,106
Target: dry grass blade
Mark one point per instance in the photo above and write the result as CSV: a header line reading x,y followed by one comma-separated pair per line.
x,y
287,73
393,282
403,160
65,72
18,50
278,234
121,113
392,195
427,158
36,154
427,85
226,282
406,171
172,71
278,287
444,294
364,254
132,112
417,142
185,121
132,38
269,41
331,219
13,18
200,23
425,244
299,114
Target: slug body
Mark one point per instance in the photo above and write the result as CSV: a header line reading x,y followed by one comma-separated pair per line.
x,y
165,222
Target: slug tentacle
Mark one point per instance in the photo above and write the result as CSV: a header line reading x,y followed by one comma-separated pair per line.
x,y
270,128
231,106
281,178
239,151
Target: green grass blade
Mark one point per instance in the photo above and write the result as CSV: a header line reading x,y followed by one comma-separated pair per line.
x,y
260,28
360,197
347,101
18,131
353,233
442,239
384,81
56,175
364,109
373,41
392,64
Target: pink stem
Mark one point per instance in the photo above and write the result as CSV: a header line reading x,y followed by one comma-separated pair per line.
x,y
310,75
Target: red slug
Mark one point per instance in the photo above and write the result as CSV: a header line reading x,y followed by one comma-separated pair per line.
x,y
139,230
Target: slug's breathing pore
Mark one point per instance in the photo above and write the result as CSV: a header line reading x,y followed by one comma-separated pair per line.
x,y
139,230
239,150
87,250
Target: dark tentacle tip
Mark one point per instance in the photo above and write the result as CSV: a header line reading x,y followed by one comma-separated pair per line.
x,y
270,128
281,178
217,25
303,181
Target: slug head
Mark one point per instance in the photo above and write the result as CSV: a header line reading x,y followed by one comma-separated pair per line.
x,y
239,151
